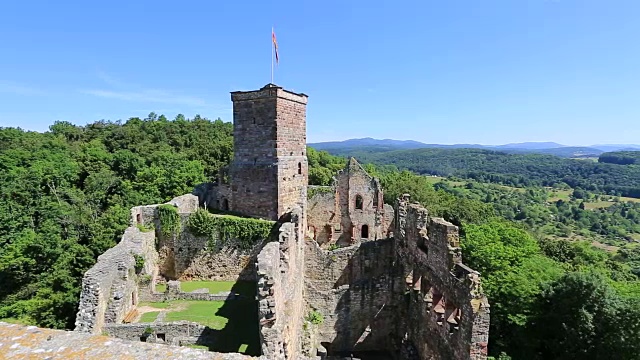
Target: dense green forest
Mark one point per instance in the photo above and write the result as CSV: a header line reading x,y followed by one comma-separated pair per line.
x,y
620,157
553,295
65,197
513,169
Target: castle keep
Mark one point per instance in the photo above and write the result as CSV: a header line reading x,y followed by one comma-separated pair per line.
x,y
268,174
341,273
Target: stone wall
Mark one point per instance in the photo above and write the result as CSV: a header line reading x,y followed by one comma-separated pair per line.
x,y
353,289
171,333
444,299
174,292
280,266
30,342
110,287
184,256
321,213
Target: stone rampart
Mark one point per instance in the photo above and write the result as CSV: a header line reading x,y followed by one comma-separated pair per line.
x,y
280,266
443,297
109,288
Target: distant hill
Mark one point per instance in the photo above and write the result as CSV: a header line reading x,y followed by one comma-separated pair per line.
x,y
356,147
617,147
368,142
529,146
565,152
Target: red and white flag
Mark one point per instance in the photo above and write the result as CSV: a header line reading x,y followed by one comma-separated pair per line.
x,y
275,44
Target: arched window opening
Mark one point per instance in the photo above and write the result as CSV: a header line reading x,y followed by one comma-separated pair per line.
x,y
225,204
299,168
364,232
358,202
139,218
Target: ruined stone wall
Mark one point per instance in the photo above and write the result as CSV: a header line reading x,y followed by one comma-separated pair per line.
x,y
110,287
214,195
350,211
269,167
178,333
184,256
366,215
321,210
409,295
450,314
280,266
353,289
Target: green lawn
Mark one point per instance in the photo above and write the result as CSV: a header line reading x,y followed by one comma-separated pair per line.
x,y
149,317
202,312
202,347
247,288
213,286
236,321
157,305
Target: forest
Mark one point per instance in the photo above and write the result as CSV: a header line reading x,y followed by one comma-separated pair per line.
x,y
620,157
65,196
553,294
519,170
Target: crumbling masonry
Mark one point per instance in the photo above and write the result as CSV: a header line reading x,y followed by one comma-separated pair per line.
x,y
342,273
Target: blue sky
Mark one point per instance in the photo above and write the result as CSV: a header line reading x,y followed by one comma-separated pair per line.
x,y
455,71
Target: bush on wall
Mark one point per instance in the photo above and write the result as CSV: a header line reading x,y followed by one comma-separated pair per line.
x,y
247,231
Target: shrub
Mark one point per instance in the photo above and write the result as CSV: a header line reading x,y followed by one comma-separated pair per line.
x,y
139,263
169,219
315,317
247,231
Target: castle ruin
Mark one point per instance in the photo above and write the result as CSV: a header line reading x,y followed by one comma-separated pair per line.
x,y
386,282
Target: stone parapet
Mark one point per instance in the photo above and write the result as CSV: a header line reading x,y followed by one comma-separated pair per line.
x,y
30,342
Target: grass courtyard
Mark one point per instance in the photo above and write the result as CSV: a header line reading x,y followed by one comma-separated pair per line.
x,y
236,321
241,287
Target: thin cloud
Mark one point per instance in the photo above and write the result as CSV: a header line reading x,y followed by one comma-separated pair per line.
x,y
9,87
122,90
155,96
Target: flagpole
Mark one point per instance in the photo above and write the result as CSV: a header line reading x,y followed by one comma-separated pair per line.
x,y
271,54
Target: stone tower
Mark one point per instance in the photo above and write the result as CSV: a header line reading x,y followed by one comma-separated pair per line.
x,y
269,168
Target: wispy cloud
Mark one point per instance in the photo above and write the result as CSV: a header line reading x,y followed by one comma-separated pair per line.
x,y
121,90
9,87
156,96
